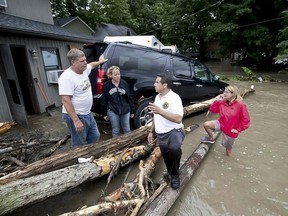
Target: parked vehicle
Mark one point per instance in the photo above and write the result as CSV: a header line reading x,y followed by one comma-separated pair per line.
x,y
143,40
140,65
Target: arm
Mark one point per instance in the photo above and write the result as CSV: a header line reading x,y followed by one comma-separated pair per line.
x,y
67,102
151,132
101,60
168,115
104,101
245,119
214,107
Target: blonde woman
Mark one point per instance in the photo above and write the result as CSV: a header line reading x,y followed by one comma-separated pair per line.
x,y
234,118
117,105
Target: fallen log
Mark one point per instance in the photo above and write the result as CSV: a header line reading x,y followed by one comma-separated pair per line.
x,y
161,205
37,188
96,210
69,157
194,108
6,126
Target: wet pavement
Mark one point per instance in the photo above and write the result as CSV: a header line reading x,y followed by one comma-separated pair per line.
x,y
251,182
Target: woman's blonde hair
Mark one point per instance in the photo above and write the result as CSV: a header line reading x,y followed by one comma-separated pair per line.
x,y
235,93
111,69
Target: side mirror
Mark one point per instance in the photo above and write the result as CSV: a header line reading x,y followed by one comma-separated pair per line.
x,y
216,77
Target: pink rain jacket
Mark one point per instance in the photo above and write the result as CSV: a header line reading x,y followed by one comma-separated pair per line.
x,y
234,115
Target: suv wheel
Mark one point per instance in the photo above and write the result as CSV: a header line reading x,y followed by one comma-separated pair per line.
x,y
142,115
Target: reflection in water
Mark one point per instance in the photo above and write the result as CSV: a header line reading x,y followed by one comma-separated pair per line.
x,y
195,205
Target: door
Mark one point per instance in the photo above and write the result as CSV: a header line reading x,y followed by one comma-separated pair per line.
x,y
182,82
206,88
12,87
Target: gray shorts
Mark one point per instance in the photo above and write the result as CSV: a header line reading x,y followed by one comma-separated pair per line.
x,y
227,141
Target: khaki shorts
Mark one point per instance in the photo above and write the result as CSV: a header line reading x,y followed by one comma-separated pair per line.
x,y
227,141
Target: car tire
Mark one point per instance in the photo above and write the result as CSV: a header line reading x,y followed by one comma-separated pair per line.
x,y
142,115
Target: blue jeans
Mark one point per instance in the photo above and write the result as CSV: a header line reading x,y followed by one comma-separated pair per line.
x,y
89,135
117,121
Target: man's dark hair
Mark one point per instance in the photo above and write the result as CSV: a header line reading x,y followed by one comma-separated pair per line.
x,y
165,79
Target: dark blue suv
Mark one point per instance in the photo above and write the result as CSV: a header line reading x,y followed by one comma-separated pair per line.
x,y
140,65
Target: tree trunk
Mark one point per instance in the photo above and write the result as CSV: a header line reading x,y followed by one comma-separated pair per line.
x,y
188,110
69,157
36,188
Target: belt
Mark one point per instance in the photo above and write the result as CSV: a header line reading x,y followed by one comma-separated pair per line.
x,y
169,131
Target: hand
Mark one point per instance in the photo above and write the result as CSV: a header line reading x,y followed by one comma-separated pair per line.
x,y
131,115
154,109
106,118
219,97
102,60
234,131
79,126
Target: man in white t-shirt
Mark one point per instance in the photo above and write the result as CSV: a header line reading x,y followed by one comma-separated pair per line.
x,y
76,96
167,123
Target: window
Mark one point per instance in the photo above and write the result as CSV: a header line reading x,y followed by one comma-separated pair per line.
x,y
181,68
51,58
139,60
201,72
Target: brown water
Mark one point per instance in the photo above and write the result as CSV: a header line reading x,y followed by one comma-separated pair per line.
x,y
252,182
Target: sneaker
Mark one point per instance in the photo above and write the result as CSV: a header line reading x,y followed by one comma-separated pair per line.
x,y
175,181
207,140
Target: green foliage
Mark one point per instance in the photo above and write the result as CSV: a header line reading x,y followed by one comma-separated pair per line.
x,y
283,39
249,73
255,28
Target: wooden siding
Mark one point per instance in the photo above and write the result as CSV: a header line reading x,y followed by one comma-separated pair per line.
x,y
41,12
5,114
37,66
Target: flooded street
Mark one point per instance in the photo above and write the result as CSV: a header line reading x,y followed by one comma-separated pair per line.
x,y
251,182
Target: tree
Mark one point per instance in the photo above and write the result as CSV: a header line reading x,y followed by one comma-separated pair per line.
x,y
249,27
93,12
282,56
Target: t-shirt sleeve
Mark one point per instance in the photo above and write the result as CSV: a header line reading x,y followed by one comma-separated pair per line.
x,y
65,85
177,105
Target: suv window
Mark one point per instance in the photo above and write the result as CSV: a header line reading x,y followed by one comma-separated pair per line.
x,y
137,59
201,72
182,68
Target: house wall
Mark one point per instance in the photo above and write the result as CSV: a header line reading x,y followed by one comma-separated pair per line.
x,y
41,12
36,66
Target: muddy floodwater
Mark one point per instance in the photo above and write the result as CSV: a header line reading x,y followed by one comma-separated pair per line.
x,y
254,181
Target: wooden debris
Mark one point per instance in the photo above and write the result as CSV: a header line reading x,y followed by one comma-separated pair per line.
x,y
39,187
6,126
69,157
104,207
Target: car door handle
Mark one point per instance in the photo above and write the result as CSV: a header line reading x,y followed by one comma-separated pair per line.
x,y
199,85
177,83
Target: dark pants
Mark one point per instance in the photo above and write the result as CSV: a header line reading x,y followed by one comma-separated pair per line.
x,y
170,146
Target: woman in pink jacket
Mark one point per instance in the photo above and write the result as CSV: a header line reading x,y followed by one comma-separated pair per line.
x,y
234,118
